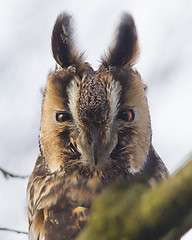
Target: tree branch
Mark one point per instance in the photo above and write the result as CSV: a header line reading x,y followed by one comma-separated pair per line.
x,y
12,230
134,212
8,174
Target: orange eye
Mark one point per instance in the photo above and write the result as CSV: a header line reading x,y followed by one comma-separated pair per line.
x,y
127,115
63,117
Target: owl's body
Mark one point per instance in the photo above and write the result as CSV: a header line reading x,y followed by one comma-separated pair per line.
x,y
95,130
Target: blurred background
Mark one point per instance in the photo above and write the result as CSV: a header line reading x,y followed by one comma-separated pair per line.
x,y
165,64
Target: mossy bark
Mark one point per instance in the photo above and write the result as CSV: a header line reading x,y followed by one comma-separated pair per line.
x,y
132,211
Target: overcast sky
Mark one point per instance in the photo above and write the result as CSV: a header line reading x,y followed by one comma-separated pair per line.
x,y
165,64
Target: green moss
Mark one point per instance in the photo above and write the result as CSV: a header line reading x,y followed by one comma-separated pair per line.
x,y
132,211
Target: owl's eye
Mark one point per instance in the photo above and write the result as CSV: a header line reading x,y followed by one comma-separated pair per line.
x,y
63,116
127,115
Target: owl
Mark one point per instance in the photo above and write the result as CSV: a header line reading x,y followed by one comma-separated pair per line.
x,y
95,131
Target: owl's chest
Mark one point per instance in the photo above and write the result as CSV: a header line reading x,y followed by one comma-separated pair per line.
x,y
81,191
72,208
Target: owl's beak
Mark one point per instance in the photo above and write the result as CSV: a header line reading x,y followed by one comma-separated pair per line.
x,y
95,154
94,144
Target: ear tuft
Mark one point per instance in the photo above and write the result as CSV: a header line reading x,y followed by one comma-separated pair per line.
x,y
125,48
63,47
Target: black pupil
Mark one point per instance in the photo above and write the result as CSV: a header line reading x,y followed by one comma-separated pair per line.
x,y
62,117
127,115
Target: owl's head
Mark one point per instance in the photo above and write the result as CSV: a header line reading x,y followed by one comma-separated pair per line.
x,y
94,121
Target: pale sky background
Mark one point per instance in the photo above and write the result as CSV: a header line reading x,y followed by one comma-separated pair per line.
x,y
165,64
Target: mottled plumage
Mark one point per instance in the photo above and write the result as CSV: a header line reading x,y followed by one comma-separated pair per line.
x,y
95,130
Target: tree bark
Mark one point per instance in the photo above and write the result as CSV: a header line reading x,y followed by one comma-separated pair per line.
x,y
132,211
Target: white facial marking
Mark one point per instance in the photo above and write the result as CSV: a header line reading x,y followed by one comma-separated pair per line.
x,y
134,171
114,90
73,92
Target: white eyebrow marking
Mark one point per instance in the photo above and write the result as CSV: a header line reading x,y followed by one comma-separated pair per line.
x,y
114,90
73,92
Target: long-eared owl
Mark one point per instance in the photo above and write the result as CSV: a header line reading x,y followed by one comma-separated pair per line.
x,y
95,130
